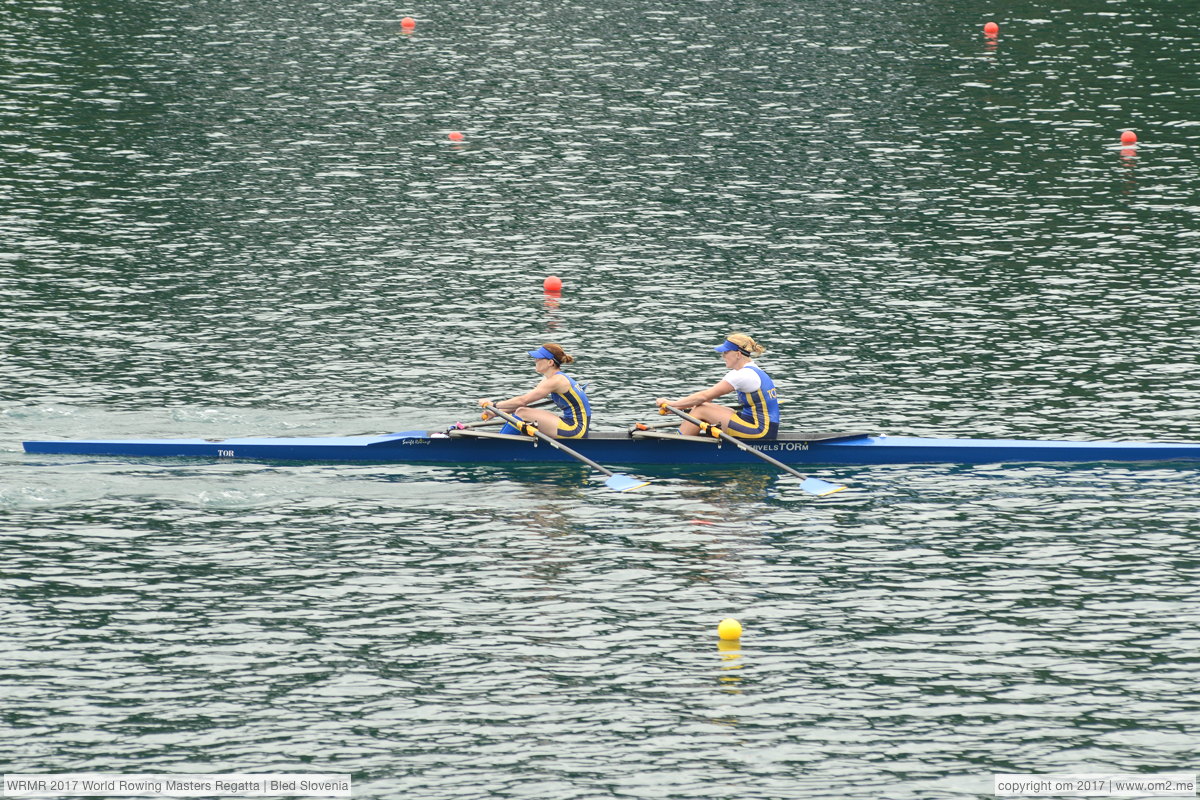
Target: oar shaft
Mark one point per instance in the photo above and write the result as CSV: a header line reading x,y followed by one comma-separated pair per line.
x,y
808,484
737,442
762,455
552,441
811,485
548,439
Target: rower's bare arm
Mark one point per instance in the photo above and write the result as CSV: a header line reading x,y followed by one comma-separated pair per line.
x,y
542,390
510,405
548,386
718,389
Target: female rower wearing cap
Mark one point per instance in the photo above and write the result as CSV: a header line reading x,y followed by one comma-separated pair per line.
x,y
562,390
758,417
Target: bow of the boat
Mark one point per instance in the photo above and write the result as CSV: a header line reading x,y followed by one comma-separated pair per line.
x,y
288,448
912,450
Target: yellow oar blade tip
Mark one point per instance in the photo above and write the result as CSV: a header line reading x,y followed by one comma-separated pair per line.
x,y
819,487
624,483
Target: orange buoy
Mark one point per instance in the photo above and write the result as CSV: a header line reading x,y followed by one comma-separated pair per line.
x,y
1128,137
552,284
455,136
408,23
991,29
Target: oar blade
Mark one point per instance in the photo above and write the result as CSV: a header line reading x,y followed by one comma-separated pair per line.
x,y
820,488
624,483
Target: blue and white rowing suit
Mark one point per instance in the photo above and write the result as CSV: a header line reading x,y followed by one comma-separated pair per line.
x,y
758,417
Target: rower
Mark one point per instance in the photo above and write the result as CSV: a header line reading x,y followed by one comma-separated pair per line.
x,y
758,415
562,390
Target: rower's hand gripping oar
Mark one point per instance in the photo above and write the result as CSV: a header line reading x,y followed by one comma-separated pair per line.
x,y
616,481
809,484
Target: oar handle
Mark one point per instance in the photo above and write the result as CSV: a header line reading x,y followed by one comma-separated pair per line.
x,y
648,426
529,429
521,425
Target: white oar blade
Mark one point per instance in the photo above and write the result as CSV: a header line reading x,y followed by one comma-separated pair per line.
x,y
624,483
819,487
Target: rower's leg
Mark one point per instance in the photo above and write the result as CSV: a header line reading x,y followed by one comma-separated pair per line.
x,y
547,421
707,412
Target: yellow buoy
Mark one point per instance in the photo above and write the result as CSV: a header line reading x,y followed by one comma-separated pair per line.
x,y
729,629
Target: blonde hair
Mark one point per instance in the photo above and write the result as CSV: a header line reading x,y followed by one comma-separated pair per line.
x,y
560,356
747,344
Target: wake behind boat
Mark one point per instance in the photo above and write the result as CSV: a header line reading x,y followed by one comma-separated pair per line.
x,y
629,448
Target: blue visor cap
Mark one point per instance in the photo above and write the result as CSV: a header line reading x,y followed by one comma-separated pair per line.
x,y
725,347
542,352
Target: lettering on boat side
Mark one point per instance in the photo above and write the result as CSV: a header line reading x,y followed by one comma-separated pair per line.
x,y
782,446
224,454
415,441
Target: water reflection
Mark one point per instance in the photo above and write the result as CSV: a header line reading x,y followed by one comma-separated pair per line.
x,y
553,317
731,662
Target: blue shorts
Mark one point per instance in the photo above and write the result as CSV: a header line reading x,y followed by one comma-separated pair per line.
x,y
566,430
576,429
744,428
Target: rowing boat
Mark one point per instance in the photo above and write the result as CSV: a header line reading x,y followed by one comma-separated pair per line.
x,y
632,447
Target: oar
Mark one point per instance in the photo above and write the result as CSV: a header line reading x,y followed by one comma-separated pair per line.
x,y
811,485
650,426
616,481
486,420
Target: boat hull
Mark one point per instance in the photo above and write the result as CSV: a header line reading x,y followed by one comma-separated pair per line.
x,y
614,448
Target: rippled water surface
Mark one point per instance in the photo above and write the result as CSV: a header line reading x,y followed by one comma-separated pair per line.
x,y
233,218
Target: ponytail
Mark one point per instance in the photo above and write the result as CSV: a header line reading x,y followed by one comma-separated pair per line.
x,y
561,356
746,344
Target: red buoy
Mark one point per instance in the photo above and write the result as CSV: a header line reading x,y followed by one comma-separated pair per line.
x,y
408,23
552,284
455,136
991,29
1128,137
